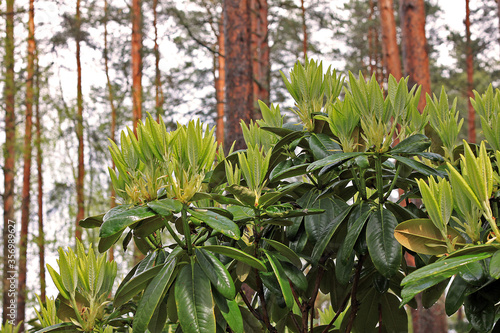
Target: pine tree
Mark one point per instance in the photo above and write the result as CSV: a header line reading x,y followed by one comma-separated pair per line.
x,y
136,16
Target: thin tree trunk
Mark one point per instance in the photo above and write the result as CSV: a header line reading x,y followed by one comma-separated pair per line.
x,y
159,98
415,55
470,76
255,49
25,206
392,60
112,202
260,53
136,16
371,47
304,28
498,14
220,82
79,130
239,104
9,267
38,145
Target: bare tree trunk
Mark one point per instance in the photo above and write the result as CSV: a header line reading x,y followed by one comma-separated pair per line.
x,y
79,130
392,60
371,47
470,77
38,145
239,103
9,165
136,61
498,14
304,28
25,206
159,98
112,202
415,55
220,82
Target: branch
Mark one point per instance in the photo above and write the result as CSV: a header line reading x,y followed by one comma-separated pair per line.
x,y
354,302
337,314
249,306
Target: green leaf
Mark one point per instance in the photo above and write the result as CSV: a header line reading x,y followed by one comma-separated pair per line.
x,y
456,295
495,265
153,294
58,282
282,279
230,311
91,221
285,251
414,144
165,207
237,254
159,318
333,159
431,295
132,287
434,273
417,166
105,243
148,226
394,319
217,222
243,194
285,170
193,297
216,273
322,146
120,217
61,327
361,214
384,249
422,236
295,275
318,225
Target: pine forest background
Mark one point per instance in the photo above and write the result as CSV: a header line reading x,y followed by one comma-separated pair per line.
x,y
77,72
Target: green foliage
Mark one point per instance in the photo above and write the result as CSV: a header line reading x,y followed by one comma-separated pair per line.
x,y
305,208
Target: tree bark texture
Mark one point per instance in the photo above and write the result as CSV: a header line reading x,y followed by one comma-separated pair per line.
x,y
260,51
220,82
136,16
415,55
79,130
239,92
9,158
26,192
392,60
304,28
159,98
470,77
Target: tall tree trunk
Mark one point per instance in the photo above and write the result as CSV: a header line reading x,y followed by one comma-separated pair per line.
x,y
392,60
159,98
220,82
112,202
304,28
25,206
470,76
371,42
498,14
239,104
136,16
79,129
9,165
38,145
415,55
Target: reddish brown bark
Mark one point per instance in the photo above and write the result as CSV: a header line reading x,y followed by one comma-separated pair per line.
x,y
159,98
371,42
26,192
38,145
9,162
220,83
470,77
498,14
79,130
392,60
112,202
304,28
136,16
239,92
415,55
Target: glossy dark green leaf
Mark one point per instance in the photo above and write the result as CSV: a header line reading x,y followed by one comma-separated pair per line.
x,y
159,318
250,323
333,159
230,311
495,265
224,200
401,213
360,215
237,254
135,285
434,273
412,144
120,217
283,171
384,249
418,166
455,296
61,327
317,225
343,272
328,232
282,279
243,194
147,227
216,273
285,251
217,222
394,318
432,294
473,273
91,221
295,275
193,297
105,243
368,312
480,313
165,207
322,146
153,294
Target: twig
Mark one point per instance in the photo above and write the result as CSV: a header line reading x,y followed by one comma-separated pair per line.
x,y
354,302
249,306
337,314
